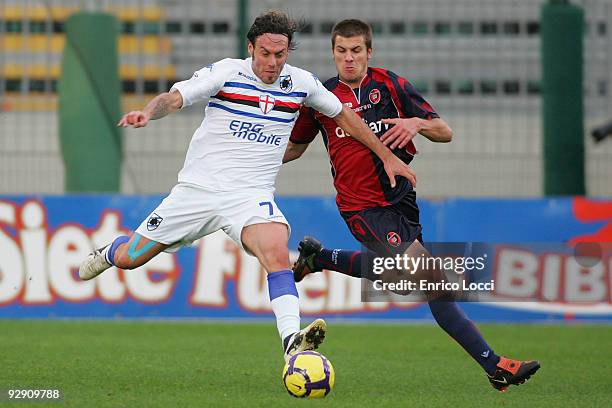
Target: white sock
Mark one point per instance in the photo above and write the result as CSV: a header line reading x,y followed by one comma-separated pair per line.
x,y
286,308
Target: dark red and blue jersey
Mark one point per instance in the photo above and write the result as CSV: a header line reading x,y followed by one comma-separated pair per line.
x,y
359,175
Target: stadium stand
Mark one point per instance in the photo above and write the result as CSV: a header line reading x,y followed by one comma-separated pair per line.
x,y
477,61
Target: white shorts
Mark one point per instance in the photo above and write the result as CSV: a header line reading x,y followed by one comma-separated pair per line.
x,y
190,212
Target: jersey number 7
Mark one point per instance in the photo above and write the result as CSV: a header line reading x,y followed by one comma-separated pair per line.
x,y
270,207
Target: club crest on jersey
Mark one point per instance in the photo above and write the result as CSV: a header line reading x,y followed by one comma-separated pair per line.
x,y
394,239
154,221
374,96
286,84
266,103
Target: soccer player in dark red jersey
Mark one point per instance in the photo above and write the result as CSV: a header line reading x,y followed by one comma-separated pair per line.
x,y
384,219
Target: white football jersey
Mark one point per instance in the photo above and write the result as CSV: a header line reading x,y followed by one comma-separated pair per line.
x,y
242,139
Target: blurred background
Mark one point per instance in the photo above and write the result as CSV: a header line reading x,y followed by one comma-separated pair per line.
x,y
478,62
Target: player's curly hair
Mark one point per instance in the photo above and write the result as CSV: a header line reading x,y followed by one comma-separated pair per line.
x,y
352,28
273,22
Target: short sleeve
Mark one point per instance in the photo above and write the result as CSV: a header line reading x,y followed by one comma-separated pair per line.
x,y
413,103
322,100
203,84
306,127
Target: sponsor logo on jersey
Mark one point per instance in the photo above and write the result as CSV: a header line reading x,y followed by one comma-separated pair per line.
x,y
249,77
362,108
154,221
266,103
374,96
253,132
286,84
377,127
394,239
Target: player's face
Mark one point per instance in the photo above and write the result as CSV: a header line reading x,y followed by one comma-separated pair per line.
x,y
351,57
269,54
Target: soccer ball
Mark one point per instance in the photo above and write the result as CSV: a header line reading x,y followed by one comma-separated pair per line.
x,y
308,375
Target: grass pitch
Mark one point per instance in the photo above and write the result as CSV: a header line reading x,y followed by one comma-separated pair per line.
x,y
195,364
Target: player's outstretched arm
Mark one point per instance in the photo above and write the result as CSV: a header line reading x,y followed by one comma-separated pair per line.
x,y
294,151
160,106
436,130
405,129
352,124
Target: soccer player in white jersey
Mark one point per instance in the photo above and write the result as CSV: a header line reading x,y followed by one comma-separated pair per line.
x,y
227,181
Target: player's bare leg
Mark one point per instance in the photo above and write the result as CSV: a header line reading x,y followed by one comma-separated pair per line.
x,y
268,242
124,252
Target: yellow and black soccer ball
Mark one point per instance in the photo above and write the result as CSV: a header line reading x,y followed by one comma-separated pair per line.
x,y
308,375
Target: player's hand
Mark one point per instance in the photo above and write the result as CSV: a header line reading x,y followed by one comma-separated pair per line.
x,y
395,167
402,133
136,119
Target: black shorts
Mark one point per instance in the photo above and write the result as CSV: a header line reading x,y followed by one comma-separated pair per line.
x,y
387,230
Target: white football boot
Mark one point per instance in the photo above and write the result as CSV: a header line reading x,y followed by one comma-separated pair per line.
x,y
309,338
94,265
